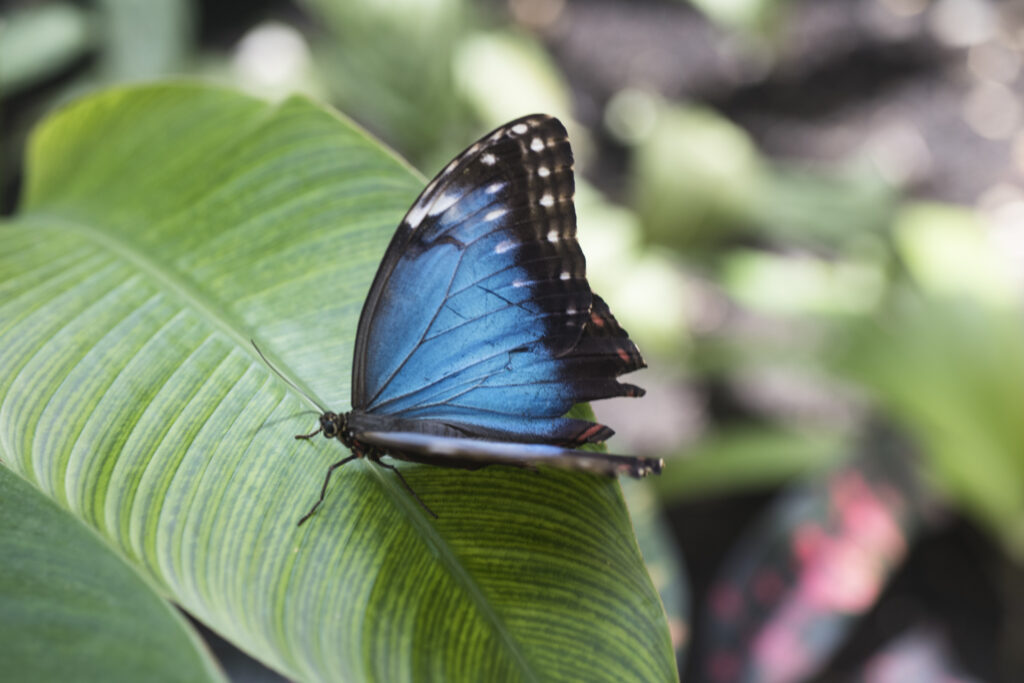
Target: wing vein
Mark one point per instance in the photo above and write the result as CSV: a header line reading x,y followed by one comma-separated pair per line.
x,y
415,346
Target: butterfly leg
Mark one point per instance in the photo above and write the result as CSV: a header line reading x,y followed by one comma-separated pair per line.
x,y
404,483
323,489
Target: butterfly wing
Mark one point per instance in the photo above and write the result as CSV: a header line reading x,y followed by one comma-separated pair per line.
x,y
469,453
480,321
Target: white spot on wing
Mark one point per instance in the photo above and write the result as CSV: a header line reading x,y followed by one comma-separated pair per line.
x,y
488,159
543,171
519,283
415,216
570,311
442,204
504,246
519,128
537,144
495,187
547,200
497,213
553,236
565,275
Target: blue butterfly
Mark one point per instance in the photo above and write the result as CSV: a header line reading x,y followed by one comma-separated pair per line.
x,y
480,331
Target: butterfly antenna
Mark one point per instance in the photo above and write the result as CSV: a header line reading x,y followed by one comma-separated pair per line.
x,y
287,381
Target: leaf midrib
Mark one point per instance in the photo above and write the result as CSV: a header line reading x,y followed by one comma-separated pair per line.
x,y
229,325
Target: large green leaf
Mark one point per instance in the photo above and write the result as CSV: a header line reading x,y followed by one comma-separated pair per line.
x,y
70,610
162,227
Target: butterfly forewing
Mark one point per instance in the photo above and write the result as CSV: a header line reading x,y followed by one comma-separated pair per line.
x,y
480,317
480,331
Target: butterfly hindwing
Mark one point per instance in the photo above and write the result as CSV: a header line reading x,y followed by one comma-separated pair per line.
x,y
480,321
470,453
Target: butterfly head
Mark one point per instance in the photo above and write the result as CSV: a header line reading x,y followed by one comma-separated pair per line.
x,y
333,425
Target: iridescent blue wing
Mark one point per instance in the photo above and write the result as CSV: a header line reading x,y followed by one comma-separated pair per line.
x,y
480,321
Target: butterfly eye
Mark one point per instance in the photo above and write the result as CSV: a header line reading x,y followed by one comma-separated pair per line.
x,y
329,425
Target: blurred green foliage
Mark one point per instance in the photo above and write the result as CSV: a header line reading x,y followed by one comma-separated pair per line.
x,y
943,354
35,42
405,95
752,17
698,180
124,39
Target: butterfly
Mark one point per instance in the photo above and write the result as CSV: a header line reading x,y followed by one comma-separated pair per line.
x,y
480,331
